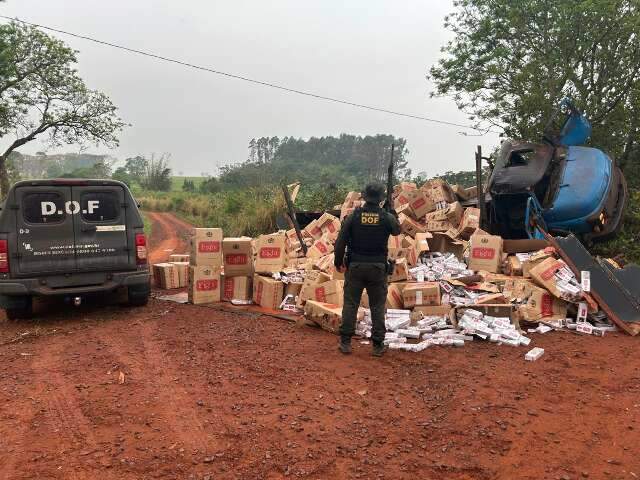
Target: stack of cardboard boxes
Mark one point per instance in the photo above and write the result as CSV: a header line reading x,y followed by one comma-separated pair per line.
x,y
441,244
206,265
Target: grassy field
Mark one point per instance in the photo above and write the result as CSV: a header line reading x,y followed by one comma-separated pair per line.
x,y
177,182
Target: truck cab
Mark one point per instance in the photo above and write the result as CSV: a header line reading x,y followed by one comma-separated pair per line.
x,y
557,185
69,238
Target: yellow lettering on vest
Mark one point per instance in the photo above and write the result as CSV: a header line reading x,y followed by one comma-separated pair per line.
x,y
369,218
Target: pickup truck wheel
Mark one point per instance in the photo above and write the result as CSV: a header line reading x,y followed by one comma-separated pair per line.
x,y
137,297
22,312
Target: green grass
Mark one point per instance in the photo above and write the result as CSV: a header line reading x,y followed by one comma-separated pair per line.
x,y
147,225
177,182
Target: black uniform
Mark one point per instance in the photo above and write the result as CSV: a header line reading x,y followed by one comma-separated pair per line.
x,y
365,233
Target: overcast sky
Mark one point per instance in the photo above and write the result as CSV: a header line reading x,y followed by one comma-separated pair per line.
x,y
367,51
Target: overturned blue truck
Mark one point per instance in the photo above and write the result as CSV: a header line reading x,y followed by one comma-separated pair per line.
x,y
557,186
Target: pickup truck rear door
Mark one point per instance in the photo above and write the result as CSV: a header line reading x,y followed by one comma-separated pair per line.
x,y
44,231
101,228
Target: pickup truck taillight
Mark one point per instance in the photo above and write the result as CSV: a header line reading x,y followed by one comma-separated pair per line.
x,y
4,256
141,249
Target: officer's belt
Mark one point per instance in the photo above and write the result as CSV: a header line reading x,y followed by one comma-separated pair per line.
x,y
360,258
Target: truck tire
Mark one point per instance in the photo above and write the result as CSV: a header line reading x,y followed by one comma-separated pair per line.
x,y
137,297
22,309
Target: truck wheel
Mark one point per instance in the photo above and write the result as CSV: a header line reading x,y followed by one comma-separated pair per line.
x,y
21,312
137,297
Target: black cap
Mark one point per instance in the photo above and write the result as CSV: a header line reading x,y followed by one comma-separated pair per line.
x,y
374,193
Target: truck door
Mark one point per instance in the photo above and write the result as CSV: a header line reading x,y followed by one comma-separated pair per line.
x,y
100,225
44,230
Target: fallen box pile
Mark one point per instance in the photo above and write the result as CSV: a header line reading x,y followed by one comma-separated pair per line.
x,y
452,282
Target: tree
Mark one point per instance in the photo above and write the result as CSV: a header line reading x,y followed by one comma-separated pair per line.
x,y
41,93
157,175
188,185
511,62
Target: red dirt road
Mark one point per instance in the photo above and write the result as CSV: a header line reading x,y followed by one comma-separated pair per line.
x,y
215,395
168,235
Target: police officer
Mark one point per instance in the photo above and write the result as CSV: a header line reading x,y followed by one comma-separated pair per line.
x,y
364,234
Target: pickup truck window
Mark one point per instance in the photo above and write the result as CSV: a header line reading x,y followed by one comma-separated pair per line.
x,y
44,207
99,206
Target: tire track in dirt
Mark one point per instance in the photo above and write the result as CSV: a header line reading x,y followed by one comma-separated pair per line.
x,y
177,406
54,410
168,235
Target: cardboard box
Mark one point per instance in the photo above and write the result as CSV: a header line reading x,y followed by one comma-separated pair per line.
x,y
535,259
325,315
469,223
166,275
406,210
513,266
485,253
236,288
267,292
491,299
422,293
402,197
331,229
206,247
320,248
446,242
455,212
472,192
330,292
544,274
204,284
179,258
400,271
311,279
460,192
394,296
438,226
183,273
433,310
395,241
542,305
439,191
293,243
238,256
270,253
302,263
313,230
409,226
420,204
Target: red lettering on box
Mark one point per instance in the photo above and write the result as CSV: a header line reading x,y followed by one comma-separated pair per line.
x,y
331,227
418,203
236,259
483,253
259,293
546,306
316,231
396,297
550,272
207,285
321,246
228,288
320,295
209,247
270,252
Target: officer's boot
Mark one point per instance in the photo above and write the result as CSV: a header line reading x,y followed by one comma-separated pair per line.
x,y
378,349
345,345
